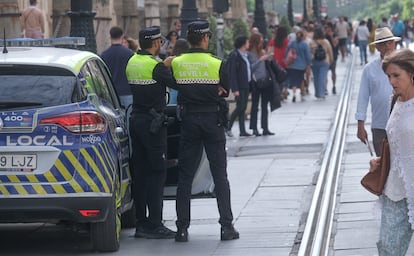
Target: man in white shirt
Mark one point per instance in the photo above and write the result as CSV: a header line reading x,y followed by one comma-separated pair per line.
x,y
376,88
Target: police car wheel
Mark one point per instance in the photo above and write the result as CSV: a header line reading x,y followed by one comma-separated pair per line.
x,y
106,234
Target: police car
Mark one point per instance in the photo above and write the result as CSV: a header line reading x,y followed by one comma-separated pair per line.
x,y
63,140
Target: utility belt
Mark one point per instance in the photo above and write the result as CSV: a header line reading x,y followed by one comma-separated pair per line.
x,y
195,108
159,118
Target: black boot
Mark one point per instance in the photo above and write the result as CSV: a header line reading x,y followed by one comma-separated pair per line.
x,y
229,233
267,132
256,132
182,235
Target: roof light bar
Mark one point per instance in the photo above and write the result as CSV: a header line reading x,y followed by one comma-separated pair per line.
x,y
57,41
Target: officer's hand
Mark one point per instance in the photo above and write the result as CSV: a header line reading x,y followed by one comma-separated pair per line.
x,y
236,93
168,60
221,91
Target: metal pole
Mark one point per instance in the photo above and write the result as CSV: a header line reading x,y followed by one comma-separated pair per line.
x,y
259,18
81,17
189,13
220,28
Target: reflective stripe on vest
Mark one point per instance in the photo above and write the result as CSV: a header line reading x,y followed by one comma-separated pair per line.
x,y
139,69
196,68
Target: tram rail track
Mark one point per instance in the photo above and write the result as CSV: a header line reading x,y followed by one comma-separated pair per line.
x,y
319,222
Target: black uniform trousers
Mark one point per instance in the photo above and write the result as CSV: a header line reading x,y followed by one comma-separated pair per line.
x,y
198,129
149,170
264,95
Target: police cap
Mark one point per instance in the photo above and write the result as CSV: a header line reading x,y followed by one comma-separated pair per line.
x,y
150,33
199,26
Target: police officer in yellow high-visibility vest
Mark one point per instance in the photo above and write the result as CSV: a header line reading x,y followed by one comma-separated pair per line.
x,y
202,86
148,78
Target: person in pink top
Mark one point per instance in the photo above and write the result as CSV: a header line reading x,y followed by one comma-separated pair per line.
x,y
32,21
278,46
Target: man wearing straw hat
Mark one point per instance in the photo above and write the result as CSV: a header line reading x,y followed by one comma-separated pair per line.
x,y
376,88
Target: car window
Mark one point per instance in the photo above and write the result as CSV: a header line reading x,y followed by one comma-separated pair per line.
x,y
106,75
97,81
36,85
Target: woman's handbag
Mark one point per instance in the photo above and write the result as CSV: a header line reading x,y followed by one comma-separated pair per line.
x,y
374,180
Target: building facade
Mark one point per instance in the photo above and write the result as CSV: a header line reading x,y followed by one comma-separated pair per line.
x,y
131,15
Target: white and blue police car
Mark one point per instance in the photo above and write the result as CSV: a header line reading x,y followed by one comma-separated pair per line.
x,y
64,147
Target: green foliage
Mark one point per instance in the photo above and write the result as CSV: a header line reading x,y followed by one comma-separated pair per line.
x,y
228,41
212,46
227,38
240,27
284,21
404,7
250,5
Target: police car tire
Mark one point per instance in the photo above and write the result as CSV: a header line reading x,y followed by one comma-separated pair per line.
x,y
106,234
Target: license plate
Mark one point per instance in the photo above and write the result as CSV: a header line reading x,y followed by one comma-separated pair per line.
x,y
22,162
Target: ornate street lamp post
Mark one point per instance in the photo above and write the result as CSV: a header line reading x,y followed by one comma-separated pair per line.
x,y
259,17
81,18
189,13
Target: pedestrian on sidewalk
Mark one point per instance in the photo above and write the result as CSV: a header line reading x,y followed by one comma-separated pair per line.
x,y
32,21
278,46
202,85
262,87
239,75
362,33
296,69
322,58
376,89
333,40
343,30
116,58
397,217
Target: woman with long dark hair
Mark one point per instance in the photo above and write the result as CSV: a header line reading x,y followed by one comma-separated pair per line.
x,y
262,87
278,46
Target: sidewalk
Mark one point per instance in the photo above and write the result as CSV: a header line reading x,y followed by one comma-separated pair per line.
x,y
271,180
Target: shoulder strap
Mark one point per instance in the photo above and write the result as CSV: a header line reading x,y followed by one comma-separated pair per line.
x,y
394,99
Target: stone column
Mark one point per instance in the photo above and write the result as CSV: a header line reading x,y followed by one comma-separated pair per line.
x,y
9,19
152,13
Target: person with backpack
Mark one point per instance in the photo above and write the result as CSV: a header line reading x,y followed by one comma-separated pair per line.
x,y
322,58
297,67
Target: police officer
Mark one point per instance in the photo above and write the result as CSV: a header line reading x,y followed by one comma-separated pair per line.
x,y
201,90
147,78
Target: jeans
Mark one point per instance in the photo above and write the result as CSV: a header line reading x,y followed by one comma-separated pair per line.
x,y
320,72
362,44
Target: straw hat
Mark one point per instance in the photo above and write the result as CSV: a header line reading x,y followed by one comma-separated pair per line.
x,y
384,34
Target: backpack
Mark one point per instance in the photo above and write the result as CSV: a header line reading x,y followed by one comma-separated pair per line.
x,y
320,53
